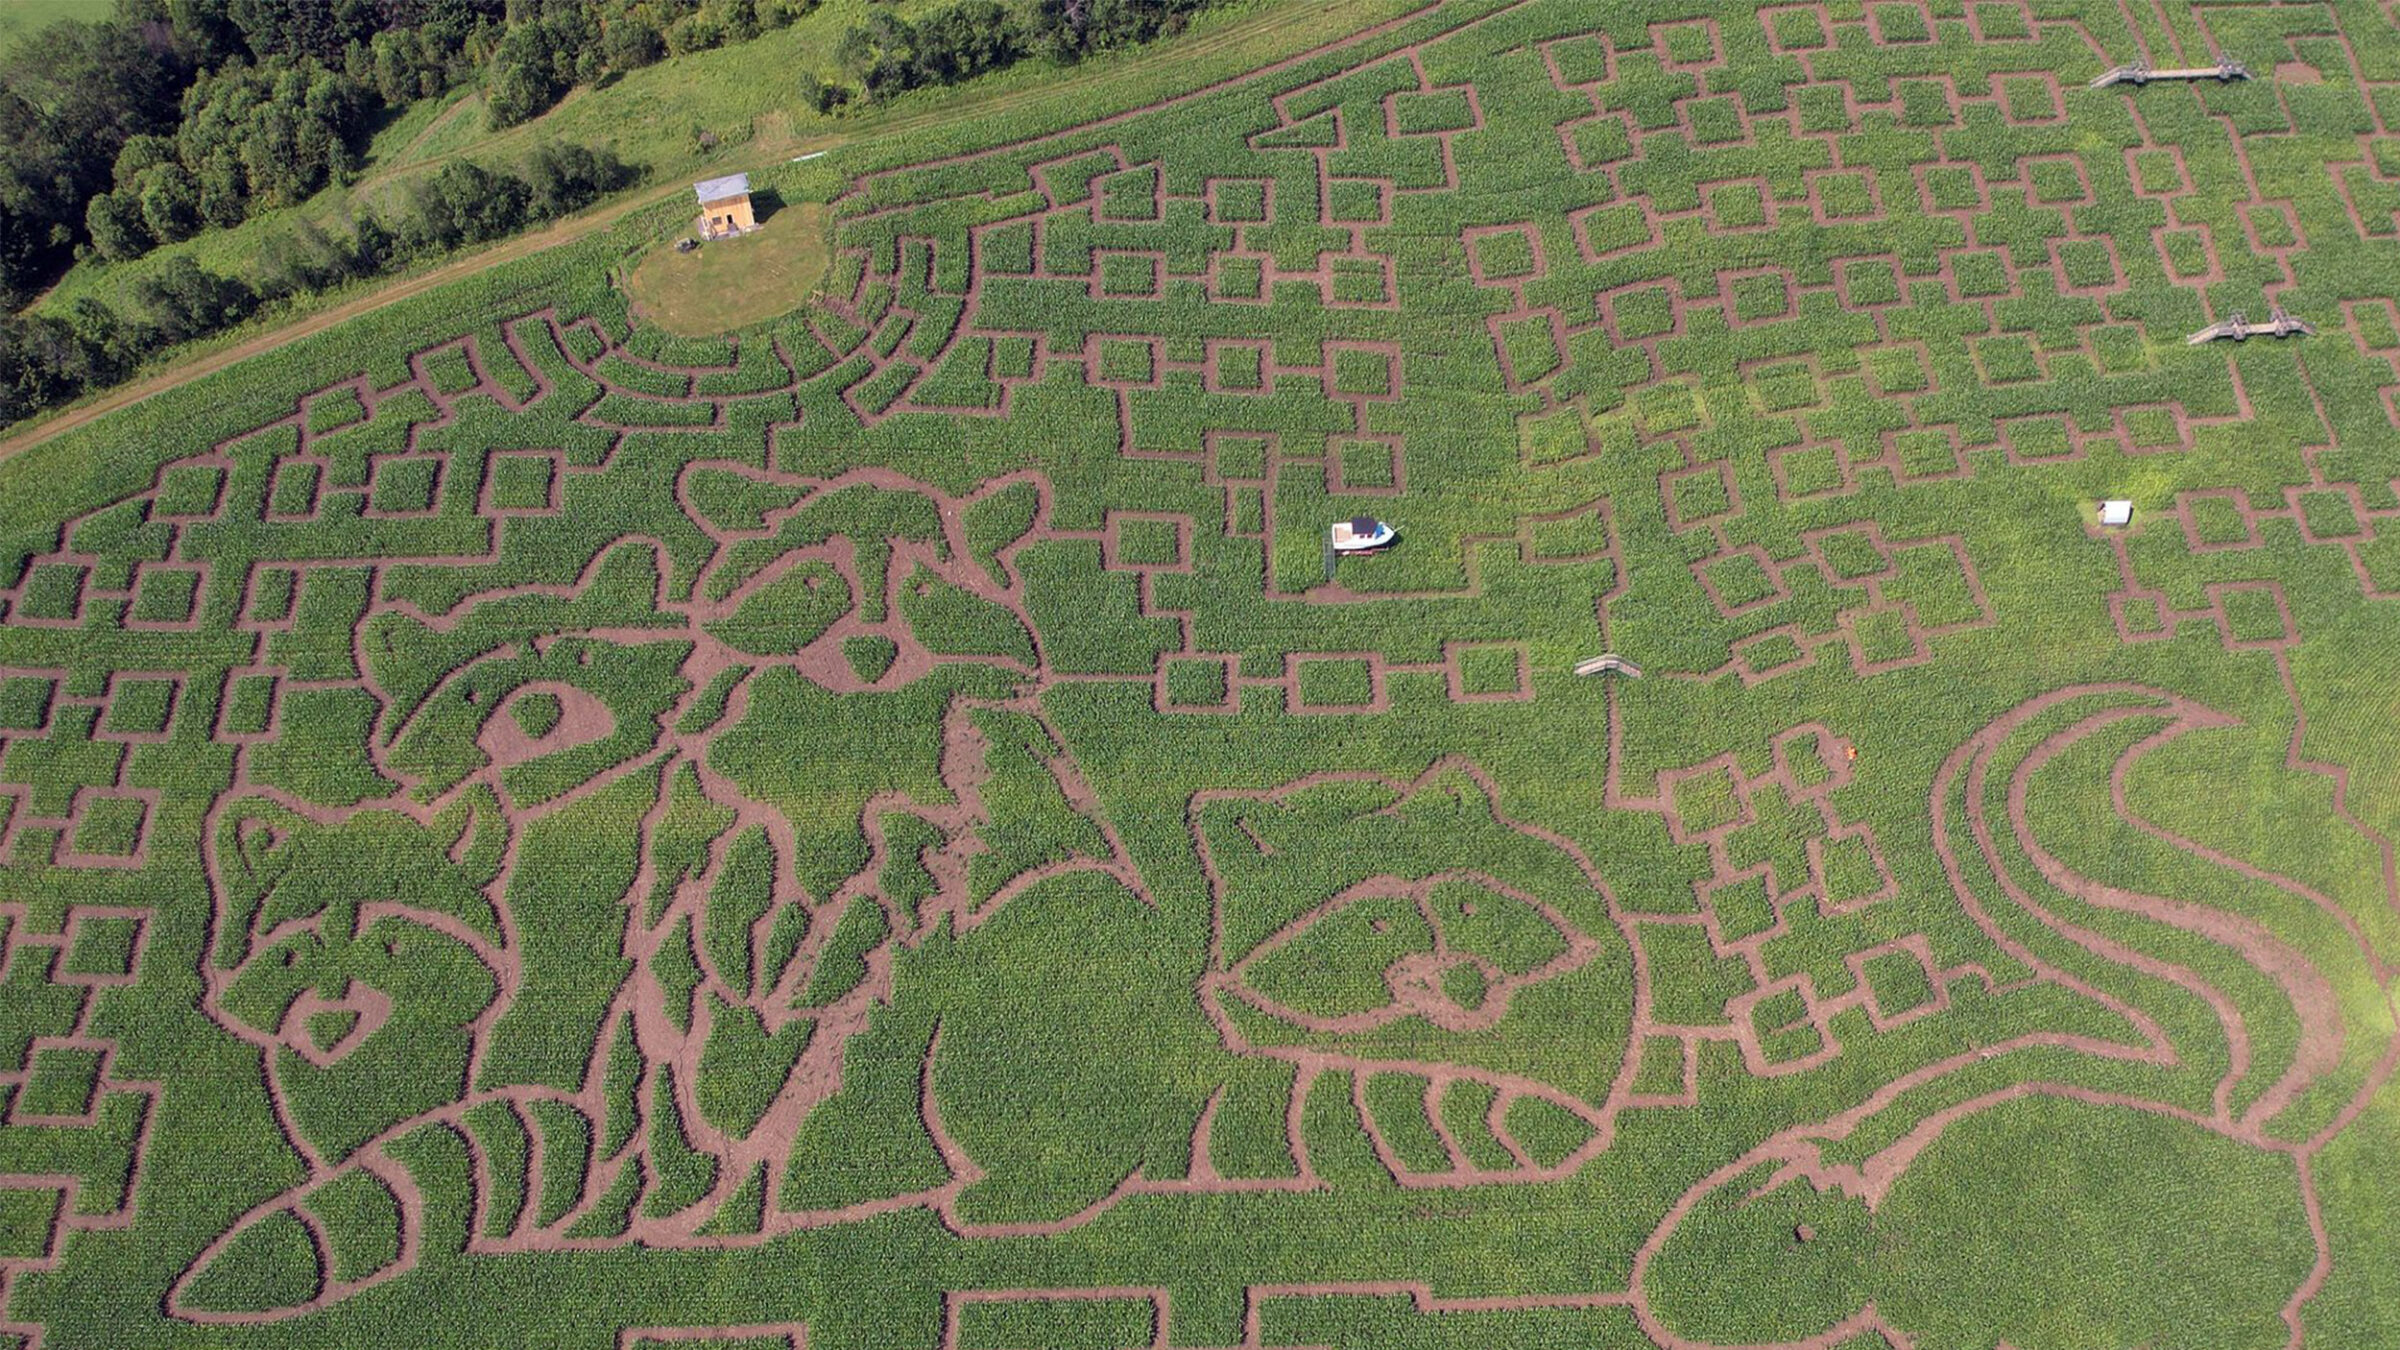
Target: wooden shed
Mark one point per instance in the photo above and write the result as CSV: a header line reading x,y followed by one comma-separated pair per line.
x,y
725,206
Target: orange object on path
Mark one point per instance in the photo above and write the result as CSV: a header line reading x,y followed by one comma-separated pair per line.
x,y
1849,752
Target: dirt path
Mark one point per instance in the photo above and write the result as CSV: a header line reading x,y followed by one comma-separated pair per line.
x,y
125,395
669,1047
670,1028
404,159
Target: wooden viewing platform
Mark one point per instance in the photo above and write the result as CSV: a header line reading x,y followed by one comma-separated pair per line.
x,y
2225,71
1608,663
2236,328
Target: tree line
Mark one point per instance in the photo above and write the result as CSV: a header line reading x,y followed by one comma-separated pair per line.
x,y
48,359
177,116
888,55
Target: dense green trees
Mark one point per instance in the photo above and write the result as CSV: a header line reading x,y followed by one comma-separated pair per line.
x,y
1065,29
251,137
411,63
539,61
71,95
465,204
45,360
554,45
888,55
178,116
182,115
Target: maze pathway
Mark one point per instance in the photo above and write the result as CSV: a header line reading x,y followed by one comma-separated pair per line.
x,y
895,814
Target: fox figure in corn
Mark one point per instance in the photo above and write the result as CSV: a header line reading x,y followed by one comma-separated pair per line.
x,y
2193,1133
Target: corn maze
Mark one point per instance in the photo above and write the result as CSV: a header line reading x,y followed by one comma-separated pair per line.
x,y
890,829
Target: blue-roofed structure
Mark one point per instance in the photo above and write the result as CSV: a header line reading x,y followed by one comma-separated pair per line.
x,y
725,206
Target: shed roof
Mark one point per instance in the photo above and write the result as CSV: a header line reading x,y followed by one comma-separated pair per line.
x,y
2117,512
718,189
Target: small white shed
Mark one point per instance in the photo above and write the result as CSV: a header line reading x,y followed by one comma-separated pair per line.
x,y
2116,513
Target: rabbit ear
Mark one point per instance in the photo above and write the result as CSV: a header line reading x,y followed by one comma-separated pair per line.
x,y
1451,787
270,1264
477,829
246,853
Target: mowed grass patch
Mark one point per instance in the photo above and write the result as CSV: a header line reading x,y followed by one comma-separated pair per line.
x,y
732,283
20,19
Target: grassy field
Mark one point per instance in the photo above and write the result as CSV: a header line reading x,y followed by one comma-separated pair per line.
x,y
733,283
19,17
555,815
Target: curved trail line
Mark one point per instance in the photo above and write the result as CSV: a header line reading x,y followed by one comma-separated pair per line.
x,y
483,815
1416,992
1799,1153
